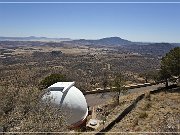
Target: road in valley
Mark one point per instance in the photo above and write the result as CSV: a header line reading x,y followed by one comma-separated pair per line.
x,y
102,98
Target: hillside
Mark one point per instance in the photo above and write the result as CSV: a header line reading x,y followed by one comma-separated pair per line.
x,y
155,113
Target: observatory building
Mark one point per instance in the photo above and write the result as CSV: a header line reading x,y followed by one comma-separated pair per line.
x,y
71,100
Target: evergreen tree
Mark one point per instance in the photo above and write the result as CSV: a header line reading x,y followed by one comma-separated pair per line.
x,y
170,65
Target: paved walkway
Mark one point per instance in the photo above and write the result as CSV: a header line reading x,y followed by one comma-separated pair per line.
x,y
102,98
153,87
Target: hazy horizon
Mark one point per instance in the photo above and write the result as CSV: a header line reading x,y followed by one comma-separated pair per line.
x,y
84,38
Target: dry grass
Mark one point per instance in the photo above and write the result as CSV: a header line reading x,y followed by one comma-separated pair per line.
x,y
112,109
155,113
21,110
66,50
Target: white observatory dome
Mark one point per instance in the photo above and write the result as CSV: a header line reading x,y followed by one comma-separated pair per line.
x,y
70,99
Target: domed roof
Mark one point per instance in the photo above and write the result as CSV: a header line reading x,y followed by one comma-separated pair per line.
x,y
70,99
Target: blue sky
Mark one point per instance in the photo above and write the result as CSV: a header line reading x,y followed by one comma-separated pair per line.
x,y
135,22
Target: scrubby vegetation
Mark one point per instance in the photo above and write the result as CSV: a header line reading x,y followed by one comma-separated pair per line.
x,y
26,68
23,111
155,113
51,79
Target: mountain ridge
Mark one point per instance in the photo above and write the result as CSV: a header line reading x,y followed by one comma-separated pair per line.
x,y
103,41
107,41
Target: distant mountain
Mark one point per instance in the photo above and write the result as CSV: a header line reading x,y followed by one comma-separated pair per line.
x,y
144,48
155,49
176,44
109,41
33,38
123,45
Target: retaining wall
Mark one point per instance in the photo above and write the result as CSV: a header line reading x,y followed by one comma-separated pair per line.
x,y
122,115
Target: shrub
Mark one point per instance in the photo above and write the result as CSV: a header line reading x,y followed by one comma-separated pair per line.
x,y
143,114
51,79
